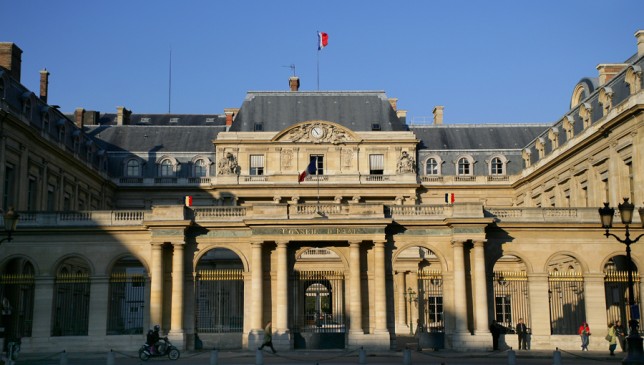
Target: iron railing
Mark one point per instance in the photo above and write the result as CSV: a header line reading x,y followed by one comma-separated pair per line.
x,y
430,302
567,302
511,300
318,302
616,287
18,290
71,305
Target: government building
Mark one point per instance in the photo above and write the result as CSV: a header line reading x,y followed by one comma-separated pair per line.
x,y
327,213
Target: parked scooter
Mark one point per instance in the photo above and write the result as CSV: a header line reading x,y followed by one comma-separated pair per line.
x,y
163,348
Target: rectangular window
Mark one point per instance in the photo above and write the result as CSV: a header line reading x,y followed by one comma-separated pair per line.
x,y
376,164
51,198
32,193
257,165
67,202
435,304
259,127
9,186
319,163
503,309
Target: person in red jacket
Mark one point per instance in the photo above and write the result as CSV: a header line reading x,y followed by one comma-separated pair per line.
x,y
584,332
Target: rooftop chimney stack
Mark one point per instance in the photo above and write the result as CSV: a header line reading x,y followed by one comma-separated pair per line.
x,y
230,116
608,70
122,116
11,59
294,83
438,114
79,115
44,85
394,103
640,42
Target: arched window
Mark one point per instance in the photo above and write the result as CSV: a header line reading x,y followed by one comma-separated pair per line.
x,y
1,87
166,168
133,168
496,166
431,167
464,166
200,168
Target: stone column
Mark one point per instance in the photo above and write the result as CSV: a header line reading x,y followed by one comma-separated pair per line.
x,y
355,290
480,287
400,300
539,304
258,285
380,305
3,166
98,303
460,292
178,278
156,284
43,298
281,314
23,180
595,298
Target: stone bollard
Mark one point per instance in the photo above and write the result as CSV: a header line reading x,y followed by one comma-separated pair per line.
x,y
63,358
214,357
259,357
512,357
110,357
556,357
406,357
362,356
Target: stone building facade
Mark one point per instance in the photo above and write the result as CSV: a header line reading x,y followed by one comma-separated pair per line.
x,y
324,212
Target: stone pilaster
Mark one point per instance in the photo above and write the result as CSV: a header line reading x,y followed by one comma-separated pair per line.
x,y
281,338
380,304
460,292
178,279
98,303
156,284
256,302
355,299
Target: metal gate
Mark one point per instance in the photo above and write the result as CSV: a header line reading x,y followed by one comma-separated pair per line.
x,y
219,301
126,303
318,319
18,312
430,302
567,302
511,301
71,305
616,286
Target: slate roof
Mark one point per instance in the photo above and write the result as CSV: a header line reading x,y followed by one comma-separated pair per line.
x,y
139,138
165,119
356,110
477,136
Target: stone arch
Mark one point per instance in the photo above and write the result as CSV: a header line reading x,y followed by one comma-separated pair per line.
x,y
444,266
339,255
582,265
328,132
72,258
110,265
203,251
7,260
621,264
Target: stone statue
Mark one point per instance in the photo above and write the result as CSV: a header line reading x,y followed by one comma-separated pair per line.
x,y
406,163
227,165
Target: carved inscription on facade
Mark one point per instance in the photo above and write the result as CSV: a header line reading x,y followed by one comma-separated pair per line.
x,y
316,231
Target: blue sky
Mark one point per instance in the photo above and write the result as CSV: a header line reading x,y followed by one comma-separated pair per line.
x,y
485,61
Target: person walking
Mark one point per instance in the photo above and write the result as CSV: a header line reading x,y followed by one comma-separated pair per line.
x,y
612,339
268,337
584,333
522,332
621,335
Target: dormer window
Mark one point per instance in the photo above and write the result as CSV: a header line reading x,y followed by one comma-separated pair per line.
x,y
375,127
166,168
27,108
132,168
464,167
259,127
497,166
2,87
432,167
200,168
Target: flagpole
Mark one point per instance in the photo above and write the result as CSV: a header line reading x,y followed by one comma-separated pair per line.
x,y
317,177
318,59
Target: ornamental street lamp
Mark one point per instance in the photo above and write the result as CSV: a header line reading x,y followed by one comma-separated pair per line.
x,y
635,353
411,296
10,222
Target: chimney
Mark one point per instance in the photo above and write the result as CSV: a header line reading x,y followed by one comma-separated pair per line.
x,y
608,70
44,85
122,116
640,42
79,114
402,115
438,114
10,58
294,83
231,113
394,103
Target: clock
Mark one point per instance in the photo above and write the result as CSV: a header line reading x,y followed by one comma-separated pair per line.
x,y
317,132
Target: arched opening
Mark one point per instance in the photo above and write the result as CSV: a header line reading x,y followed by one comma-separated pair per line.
x,y
616,288
126,306
566,295
511,297
17,293
219,292
71,298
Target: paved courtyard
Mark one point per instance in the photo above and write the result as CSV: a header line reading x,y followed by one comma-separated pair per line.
x,y
329,357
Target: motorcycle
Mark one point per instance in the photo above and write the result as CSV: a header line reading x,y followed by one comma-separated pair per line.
x,y
163,347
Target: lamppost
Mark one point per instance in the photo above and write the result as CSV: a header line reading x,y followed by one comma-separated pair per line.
x,y
10,222
411,296
635,353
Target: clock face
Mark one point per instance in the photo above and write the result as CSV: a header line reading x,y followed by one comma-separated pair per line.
x,y
317,132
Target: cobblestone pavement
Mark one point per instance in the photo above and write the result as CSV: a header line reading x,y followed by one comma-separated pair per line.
x,y
329,357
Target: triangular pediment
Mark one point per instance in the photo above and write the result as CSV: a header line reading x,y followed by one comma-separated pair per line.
x,y
317,131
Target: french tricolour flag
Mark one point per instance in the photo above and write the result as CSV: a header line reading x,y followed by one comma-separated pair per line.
x,y
310,170
323,40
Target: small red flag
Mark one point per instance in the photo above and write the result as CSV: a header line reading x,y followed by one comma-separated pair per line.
x,y
323,40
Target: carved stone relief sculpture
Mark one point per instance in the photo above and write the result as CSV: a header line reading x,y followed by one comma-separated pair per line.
x,y
227,165
406,163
